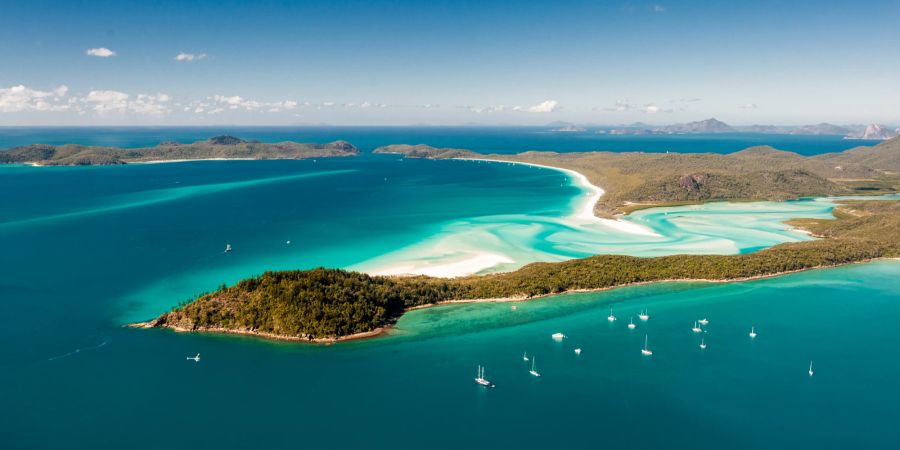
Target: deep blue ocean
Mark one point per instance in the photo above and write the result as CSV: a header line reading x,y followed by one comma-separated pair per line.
x,y
85,250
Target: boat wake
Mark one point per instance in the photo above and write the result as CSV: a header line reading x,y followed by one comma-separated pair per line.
x,y
78,350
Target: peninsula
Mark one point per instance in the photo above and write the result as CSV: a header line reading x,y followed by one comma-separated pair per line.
x,y
218,147
326,305
636,180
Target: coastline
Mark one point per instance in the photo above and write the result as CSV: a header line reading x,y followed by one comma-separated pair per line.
x,y
264,335
166,161
384,329
585,211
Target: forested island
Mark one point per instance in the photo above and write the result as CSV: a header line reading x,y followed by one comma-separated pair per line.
x,y
218,147
330,304
635,180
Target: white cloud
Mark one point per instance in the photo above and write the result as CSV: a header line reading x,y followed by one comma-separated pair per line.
x,y
190,57
23,99
100,52
20,98
659,8
107,102
220,103
652,108
620,105
748,106
151,105
545,106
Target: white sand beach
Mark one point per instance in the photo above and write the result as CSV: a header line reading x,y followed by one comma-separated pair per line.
x,y
585,211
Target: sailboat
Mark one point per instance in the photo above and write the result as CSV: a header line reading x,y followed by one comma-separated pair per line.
x,y
611,317
480,379
704,321
631,324
752,332
702,344
525,356
696,328
645,350
227,248
810,369
643,315
532,371
195,358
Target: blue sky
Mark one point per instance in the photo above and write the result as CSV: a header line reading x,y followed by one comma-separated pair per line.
x,y
448,62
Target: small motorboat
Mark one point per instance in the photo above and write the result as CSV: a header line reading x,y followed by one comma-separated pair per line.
x,y
558,336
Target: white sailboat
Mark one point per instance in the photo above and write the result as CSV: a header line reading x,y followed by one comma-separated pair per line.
x,y
532,371
611,317
480,379
195,358
696,328
227,248
644,316
810,369
646,350
702,344
752,332
631,324
525,356
704,321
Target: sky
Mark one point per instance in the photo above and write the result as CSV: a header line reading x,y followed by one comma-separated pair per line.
x,y
448,62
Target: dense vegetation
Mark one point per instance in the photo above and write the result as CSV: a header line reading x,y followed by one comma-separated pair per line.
x,y
634,180
328,303
227,147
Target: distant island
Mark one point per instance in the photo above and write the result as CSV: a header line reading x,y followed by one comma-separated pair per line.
x,y
635,180
714,126
218,147
327,305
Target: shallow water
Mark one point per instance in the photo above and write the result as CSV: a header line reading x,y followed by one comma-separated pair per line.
x,y
87,249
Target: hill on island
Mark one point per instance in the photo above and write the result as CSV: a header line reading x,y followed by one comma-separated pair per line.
x,y
884,156
218,147
329,304
636,180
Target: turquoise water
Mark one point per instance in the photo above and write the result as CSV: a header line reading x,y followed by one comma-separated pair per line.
x,y
88,249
